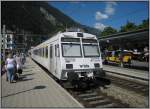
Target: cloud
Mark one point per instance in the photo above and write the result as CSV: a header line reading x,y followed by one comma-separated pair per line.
x,y
100,15
100,26
110,10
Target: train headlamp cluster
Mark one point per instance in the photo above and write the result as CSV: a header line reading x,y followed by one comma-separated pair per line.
x,y
96,65
69,66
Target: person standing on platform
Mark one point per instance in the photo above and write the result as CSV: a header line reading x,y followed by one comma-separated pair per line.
x,y
19,64
10,65
22,58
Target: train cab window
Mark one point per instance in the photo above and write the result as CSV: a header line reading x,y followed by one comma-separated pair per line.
x,y
46,52
51,51
71,50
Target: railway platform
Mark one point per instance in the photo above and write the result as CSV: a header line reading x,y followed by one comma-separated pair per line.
x,y
132,73
34,89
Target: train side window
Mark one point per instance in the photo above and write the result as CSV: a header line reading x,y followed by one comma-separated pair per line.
x,y
43,52
51,51
46,52
55,50
38,52
58,53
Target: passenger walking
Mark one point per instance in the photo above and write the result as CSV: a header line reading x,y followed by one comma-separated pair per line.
x,y
23,58
19,64
10,66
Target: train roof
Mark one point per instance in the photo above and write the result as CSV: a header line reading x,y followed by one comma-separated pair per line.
x,y
68,34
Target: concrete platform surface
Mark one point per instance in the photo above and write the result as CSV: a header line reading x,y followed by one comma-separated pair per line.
x,y
126,71
35,89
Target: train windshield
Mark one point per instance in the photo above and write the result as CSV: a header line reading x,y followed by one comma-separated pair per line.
x,y
71,50
91,50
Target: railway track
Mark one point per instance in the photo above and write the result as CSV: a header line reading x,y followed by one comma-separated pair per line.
x,y
94,98
130,85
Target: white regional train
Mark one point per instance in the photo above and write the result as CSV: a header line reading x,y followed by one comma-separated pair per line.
x,y
70,56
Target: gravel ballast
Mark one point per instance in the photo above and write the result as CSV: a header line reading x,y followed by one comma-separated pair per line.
x,y
130,97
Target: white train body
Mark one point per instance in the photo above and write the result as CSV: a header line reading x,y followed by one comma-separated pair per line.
x,y
70,53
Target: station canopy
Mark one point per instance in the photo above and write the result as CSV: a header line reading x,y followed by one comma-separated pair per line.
x,y
126,40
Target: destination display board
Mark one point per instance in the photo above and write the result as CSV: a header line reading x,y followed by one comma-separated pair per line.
x,y
70,39
89,41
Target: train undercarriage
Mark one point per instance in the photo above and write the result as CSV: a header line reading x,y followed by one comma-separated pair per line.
x,y
86,79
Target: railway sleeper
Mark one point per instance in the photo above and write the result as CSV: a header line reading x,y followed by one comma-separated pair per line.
x,y
93,98
87,95
145,89
100,102
138,87
111,105
133,85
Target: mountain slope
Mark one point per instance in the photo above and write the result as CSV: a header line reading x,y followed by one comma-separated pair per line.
x,y
37,17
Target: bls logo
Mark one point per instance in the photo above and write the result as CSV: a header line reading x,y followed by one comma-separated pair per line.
x,y
85,66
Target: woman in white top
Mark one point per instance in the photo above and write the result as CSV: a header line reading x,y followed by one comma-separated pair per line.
x,y
10,66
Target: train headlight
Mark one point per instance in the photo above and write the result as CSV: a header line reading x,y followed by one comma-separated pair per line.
x,y
96,65
69,66
90,74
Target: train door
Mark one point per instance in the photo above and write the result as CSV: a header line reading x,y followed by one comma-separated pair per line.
x,y
57,60
51,58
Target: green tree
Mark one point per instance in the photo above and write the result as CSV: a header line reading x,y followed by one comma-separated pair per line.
x,y
145,24
128,27
108,31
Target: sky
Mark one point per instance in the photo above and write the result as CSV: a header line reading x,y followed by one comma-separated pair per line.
x,y
101,14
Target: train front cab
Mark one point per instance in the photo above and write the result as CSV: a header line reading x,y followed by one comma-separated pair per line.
x,y
81,59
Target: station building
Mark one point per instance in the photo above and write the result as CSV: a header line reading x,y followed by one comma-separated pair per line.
x,y
7,41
